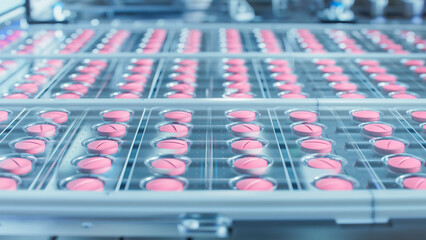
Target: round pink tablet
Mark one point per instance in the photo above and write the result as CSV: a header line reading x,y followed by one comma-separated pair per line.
x,y
4,115
102,64
316,146
384,78
136,78
303,116
176,130
332,69
169,166
404,164
242,116
55,116
420,70
188,62
8,184
94,165
289,87
111,130
351,95
254,184
165,184
289,78
307,129
414,62
178,116
419,116
37,78
85,184
132,87
104,146
16,165
16,96
375,70
86,78
404,96
252,165
41,130
248,146
68,96
418,183
28,87
393,87
237,78
325,163
146,62
77,87
235,61
116,116
337,78
239,86
367,62
246,129
92,70
345,86
180,95
366,116
325,62
378,129
389,146
174,146
30,146
334,184
279,62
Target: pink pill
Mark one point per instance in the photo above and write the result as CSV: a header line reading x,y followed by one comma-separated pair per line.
x,y
418,183
136,78
173,146
403,96
375,70
49,71
112,130
289,78
127,96
101,64
68,96
334,184
242,116
251,165
237,69
4,115
303,116
186,78
16,96
325,163
345,86
307,129
165,184
169,166
393,87
246,130
378,130
55,116
414,62
86,78
175,130
77,87
384,78
316,146
30,146
366,116
351,95
116,116
132,87
420,70
144,61
248,146
180,95
235,61
85,184
8,184
41,130
94,165
419,116
17,165
331,69
188,62
92,70
337,78
288,87
237,78
278,62
389,146
281,69
141,69
404,164
239,86
178,116
254,184
325,62
182,87
240,95
104,146
28,87
292,95
37,78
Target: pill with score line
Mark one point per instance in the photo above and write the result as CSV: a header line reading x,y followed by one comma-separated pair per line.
x,y
174,130
116,116
30,146
247,146
246,130
178,116
169,166
378,129
251,165
254,184
41,130
165,184
366,116
415,182
103,146
94,165
316,146
307,129
85,184
16,165
334,184
173,146
404,164
55,116
325,163
112,130
389,146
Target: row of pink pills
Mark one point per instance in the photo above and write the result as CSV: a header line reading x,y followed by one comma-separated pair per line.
x,y
100,161
10,37
175,147
251,164
267,41
189,41
37,44
286,81
34,81
237,85
384,80
413,38
184,79
76,41
345,42
112,42
230,40
338,80
417,66
384,42
7,66
309,42
311,142
133,83
32,146
420,116
153,41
